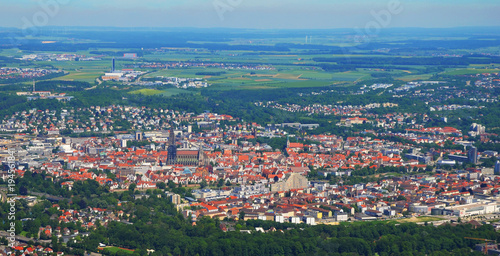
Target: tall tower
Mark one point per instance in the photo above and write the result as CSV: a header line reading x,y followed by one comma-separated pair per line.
x,y
113,67
202,161
34,86
171,149
171,137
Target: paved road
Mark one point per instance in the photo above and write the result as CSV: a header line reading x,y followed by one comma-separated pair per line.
x,y
3,191
49,197
18,238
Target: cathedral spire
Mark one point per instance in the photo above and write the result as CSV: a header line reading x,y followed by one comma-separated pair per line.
x,y
171,138
171,149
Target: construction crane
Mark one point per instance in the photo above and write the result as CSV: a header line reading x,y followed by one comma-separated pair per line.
x,y
485,250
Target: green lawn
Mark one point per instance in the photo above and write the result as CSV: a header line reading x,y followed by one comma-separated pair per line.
x,y
470,71
81,76
147,92
114,250
320,75
300,84
175,91
350,76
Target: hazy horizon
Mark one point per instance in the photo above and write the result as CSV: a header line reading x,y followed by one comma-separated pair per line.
x,y
256,14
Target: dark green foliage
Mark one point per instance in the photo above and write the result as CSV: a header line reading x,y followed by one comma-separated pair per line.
x,y
22,79
62,86
172,233
362,62
157,225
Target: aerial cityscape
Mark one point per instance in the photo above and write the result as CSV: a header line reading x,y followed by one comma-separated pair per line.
x,y
250,128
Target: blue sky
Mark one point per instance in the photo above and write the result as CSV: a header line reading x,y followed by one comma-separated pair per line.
x,y
249,13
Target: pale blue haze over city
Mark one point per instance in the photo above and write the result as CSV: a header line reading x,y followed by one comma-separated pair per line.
x,y
252,13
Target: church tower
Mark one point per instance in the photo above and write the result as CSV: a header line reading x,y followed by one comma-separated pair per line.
x,y
171,137
171,149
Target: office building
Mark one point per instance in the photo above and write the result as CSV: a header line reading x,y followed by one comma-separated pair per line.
x,y
472,154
